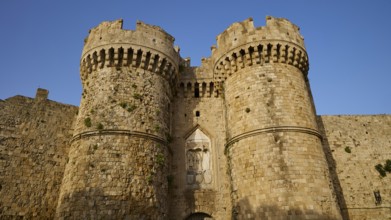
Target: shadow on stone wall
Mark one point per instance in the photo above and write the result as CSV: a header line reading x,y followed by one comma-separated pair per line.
x,y
332,171
245,211
94,203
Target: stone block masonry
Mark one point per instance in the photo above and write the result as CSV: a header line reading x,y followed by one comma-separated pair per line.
x,y
277,166
354,145
119,157
34,135
156,138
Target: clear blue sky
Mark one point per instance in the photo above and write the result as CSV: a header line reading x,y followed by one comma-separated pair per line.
x,y
348,42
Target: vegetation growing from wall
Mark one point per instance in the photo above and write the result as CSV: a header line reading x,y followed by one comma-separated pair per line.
x,y
87,122
384,169
99,126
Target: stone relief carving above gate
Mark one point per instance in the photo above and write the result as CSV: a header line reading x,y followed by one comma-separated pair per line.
x,y
198,159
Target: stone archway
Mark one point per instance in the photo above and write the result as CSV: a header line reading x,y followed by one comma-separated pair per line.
x,y
199,216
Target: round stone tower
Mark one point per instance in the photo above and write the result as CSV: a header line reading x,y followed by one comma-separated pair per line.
x,y
277,166
119,154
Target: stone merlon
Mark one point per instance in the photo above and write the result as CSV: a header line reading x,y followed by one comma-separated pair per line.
x,y
42,94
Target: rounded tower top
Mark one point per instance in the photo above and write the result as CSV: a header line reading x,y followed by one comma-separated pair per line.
x,y
147,48
240,33
111,33
242,44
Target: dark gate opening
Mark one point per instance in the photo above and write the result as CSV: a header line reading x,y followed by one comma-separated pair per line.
x,y
199,216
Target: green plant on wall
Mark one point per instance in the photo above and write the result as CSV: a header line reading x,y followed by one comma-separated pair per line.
x,y
348,150
131,108
87,122
381,170
150,177
384,169
387,166
123,104
99,126
137,96
160,159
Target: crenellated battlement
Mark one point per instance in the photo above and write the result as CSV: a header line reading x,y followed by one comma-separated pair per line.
x,y
148,47
242,45
257,53
241,33
197,82
124,56
111,32
202,88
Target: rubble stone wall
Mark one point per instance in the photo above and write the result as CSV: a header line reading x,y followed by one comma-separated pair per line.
x,y
34,137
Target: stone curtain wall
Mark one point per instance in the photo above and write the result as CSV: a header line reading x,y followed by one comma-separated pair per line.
x,y
354,145
34,136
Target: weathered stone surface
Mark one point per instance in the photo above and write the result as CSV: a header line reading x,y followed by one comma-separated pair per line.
x,y
354,145
120,151
155,138
34,136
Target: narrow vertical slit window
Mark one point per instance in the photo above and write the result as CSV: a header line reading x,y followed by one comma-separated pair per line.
x,y
196,90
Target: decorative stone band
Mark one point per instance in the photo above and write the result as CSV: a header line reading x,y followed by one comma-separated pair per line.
x,y
135,56
272,130
259,53
122,132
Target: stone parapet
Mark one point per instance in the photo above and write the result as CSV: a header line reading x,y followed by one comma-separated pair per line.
x,y
244,32
109,33
148,47
242,45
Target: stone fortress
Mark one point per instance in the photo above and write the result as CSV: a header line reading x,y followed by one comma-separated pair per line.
x,y
155,138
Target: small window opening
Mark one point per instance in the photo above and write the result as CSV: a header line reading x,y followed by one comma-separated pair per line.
x,y
197,113
211,89
120,56
182,89
203,89
188,89
196,90
111,56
